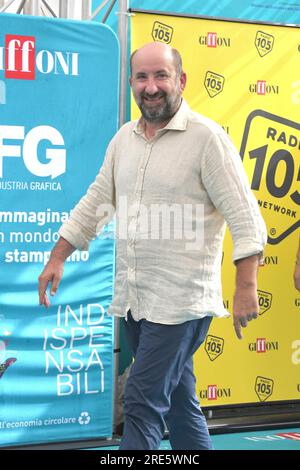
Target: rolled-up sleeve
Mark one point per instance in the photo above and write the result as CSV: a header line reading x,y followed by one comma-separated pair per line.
x,y
227,185
95,209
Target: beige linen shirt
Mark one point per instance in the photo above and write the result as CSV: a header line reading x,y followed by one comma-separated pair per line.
x,y
190,164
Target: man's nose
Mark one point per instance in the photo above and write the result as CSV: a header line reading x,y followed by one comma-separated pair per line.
x,y
151,86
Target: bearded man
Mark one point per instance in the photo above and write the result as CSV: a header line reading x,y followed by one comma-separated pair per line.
x,y
168,288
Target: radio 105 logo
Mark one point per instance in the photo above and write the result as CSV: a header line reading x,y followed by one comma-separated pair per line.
x,y
20,59
264,43
162,32
214,346
270,153
264,387
214,83
264,301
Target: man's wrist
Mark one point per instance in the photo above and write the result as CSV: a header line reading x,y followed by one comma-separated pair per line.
x,y
244,285
259,256
57,257
61,251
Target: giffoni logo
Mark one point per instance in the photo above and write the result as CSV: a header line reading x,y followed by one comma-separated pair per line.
x,y
213,392
20,59
212,39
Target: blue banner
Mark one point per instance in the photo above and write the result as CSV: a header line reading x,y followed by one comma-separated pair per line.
x,y
58,111
280,11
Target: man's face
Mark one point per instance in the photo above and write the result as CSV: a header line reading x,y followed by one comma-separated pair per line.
x,y
156,86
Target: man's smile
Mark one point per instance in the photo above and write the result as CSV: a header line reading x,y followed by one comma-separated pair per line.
x,y
153,99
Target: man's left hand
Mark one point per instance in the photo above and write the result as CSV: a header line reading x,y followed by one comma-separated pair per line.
x,y
245,308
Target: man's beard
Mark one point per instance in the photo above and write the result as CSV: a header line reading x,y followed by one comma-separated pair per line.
x,y
161,112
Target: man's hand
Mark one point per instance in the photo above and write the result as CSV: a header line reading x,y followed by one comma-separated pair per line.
x,y
52,274
54,270
245,301
245,308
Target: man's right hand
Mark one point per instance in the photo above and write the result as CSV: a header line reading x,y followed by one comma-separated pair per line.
x,y
54,270
52,274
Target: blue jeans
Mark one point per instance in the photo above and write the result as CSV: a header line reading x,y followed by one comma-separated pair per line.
x,y
160,389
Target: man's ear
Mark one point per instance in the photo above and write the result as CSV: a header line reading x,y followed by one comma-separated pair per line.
x,y
130,81
183,80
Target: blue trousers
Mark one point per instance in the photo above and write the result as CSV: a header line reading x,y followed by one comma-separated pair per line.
x,y
160,389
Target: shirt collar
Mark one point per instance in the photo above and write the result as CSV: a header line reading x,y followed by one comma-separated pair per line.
x,y
177,123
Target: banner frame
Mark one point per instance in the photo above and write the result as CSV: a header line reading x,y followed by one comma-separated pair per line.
x,y
251,405
213,18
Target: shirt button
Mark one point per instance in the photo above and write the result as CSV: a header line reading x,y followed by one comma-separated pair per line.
x,y
142,169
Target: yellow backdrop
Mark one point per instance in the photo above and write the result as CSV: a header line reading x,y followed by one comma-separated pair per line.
x,y
246,77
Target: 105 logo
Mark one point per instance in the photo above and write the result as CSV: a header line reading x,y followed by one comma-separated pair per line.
x,y
264,301
264,388
214,83
270,152
264,43
214,346
162,32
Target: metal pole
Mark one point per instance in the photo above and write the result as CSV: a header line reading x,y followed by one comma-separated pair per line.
x,y
71,9
21,6
6,5
98,9
122,33
86,9
32,7
49,8
108,11
116,368
63,8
